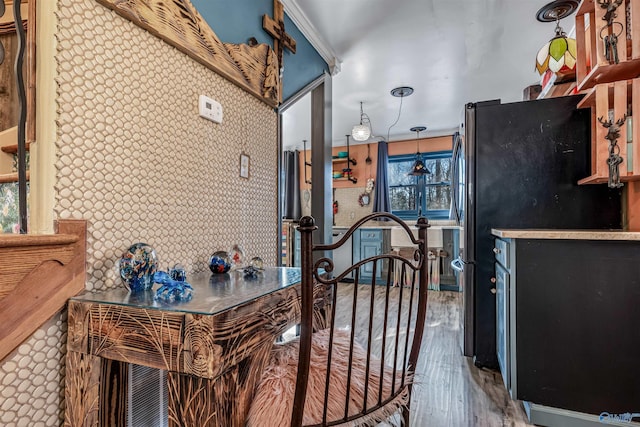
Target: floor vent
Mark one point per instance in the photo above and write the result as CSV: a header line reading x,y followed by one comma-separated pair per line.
x,y
147,397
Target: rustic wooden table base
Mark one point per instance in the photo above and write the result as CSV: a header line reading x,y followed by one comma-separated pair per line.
x,y
214,353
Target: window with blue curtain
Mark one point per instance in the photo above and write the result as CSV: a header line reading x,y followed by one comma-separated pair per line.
x,y
429,195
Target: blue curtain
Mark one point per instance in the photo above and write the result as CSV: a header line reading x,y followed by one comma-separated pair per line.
x,y
381,202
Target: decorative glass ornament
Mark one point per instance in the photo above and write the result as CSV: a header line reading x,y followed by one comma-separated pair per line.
x,y
257,263
171,290
237,257
137,267
178,273
219,262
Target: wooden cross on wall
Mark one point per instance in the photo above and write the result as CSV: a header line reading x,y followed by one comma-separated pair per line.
x,y
275,27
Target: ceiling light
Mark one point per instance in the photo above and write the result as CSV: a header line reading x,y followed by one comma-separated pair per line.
x,y
559,54
399,92
362,132
418,168
402,91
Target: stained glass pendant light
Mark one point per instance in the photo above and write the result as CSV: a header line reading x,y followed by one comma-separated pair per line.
x,y
362,132
559,54
418,168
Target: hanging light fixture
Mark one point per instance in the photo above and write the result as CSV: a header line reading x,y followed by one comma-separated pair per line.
x,y
418,168
399,92
559,54
362,132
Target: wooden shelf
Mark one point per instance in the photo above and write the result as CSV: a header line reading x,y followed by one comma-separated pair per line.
x,y
345,178
610,73
593,67
603,100
344,160
611,89
10,177
13,149
589,100
596,179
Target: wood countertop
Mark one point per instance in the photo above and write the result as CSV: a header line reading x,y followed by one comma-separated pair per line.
x,y
566,234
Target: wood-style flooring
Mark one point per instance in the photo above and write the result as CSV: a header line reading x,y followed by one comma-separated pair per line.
x,y
449,390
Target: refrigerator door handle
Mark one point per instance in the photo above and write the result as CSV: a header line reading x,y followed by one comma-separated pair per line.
x,y
457,264
455,171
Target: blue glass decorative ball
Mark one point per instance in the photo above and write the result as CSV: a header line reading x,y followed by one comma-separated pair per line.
x,y
137,267
219,262
178,273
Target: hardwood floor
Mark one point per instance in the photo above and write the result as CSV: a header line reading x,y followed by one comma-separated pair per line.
x,y
449,390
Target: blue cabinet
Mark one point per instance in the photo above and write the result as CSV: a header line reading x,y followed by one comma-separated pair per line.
x,y
369,243
502,323
505,338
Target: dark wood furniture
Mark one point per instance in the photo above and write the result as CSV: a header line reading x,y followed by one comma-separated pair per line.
x,y
393,350
214,347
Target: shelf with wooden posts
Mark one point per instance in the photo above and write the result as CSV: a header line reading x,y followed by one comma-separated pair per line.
x,y
612,105
597,19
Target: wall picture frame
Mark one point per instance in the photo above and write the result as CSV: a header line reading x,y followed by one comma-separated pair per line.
x,y
245,161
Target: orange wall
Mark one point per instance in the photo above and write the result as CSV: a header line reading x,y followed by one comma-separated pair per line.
x,y
362,171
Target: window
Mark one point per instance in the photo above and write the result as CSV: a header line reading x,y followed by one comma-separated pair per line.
x,y
429,195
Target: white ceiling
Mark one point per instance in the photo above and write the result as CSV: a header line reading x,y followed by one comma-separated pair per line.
x,y
450,51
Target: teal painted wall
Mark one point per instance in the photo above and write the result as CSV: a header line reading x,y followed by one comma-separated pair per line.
x,y
303,67
236,21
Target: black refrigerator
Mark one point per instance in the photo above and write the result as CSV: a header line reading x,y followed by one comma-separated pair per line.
x,y
521,163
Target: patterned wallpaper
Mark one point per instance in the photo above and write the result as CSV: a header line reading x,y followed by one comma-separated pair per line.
x,y
136,161
31,378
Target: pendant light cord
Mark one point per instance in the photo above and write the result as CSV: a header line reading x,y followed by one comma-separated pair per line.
x,y
397,119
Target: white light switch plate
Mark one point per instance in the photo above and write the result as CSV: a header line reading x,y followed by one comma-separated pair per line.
x,y
210,109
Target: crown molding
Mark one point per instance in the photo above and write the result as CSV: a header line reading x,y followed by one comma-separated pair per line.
x,y
311,33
